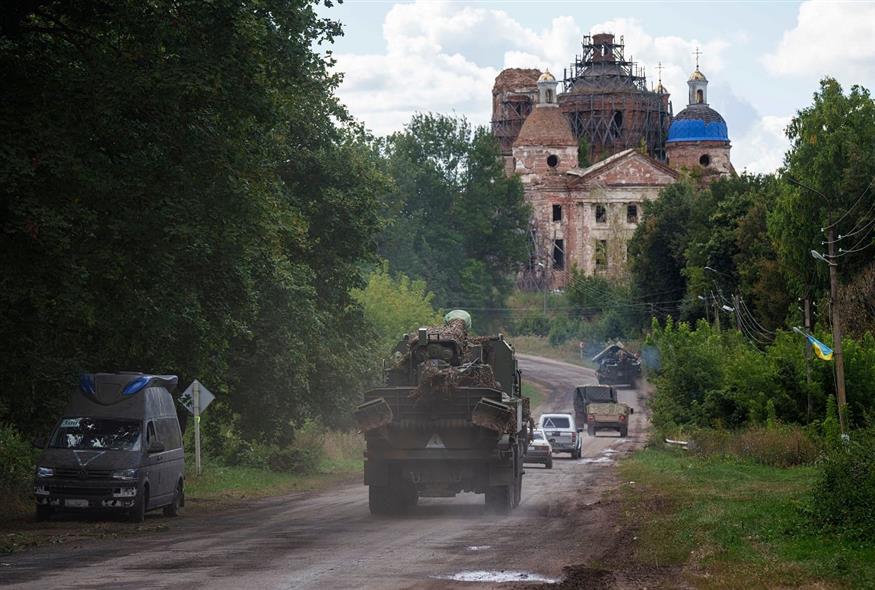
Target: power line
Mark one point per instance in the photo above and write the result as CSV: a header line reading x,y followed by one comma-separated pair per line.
x,y
851,208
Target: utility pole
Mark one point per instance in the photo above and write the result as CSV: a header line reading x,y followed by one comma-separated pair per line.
x,y
806,310
716,312
837,331
737,312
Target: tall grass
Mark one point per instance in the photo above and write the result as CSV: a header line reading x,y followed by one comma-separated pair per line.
x,y
780,446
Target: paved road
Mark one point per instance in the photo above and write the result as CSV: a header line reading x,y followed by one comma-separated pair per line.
x,y
329,540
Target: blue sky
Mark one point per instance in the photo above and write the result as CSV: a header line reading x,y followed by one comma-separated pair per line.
x,y
763,59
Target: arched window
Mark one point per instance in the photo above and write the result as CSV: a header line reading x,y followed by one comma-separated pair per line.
x,y
700,96
549,97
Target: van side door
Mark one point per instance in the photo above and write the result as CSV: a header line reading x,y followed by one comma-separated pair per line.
x,y
173,463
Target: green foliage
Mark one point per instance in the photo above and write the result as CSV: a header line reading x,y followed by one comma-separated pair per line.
x,y
843,499
775,445
831,427
395,306
708,378
17,462
833,152
458,221
181,194
583,151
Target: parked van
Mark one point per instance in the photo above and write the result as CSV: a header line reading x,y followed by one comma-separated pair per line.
x,y
118,447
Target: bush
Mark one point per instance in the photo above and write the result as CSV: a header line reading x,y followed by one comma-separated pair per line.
x,y
779,446
843,499
17,459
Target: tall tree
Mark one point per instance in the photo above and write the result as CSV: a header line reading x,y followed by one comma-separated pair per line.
x,y
458,221
180,193
833,152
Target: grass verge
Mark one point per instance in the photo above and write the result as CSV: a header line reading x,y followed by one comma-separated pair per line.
x,y
535,394
730,524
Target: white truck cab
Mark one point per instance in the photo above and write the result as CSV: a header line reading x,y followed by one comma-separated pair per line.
x,y
562,432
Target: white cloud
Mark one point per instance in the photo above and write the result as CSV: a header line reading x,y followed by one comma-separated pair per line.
x,y
762,148
830,38
444,57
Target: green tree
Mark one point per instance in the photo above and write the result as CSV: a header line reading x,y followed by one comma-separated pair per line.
x,y
458,221
394,306
181,193
833,152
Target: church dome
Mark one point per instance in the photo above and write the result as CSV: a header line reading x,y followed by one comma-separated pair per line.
x,y
698,122
697,75
547,77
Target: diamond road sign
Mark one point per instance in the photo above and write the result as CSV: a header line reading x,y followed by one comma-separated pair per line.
x,y
204,397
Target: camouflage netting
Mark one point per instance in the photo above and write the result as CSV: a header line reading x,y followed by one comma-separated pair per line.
x,y
448,360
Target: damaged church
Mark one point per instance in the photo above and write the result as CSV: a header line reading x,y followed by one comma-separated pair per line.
x,y
584,215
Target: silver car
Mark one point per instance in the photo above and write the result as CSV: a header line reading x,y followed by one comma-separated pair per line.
x,y
539,450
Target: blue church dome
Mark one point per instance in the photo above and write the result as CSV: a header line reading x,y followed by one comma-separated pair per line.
x,y
698,122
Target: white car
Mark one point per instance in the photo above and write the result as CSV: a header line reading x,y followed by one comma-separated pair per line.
x,y
539,450
562,433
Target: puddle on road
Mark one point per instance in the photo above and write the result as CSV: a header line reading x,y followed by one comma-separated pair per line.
x,y
498,576
478,547
610,451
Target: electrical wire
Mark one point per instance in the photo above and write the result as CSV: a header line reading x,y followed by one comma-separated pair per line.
x,y
851,208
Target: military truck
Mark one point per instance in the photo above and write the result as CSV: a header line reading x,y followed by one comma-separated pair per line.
x,y
597,407
617,366
450,418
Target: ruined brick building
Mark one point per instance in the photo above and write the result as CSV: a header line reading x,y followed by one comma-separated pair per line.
x,y
584,216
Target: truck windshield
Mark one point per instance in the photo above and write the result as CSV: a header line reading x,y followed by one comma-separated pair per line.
x,y
556,422
97,433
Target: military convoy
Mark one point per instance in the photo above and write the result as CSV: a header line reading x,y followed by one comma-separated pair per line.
x,y
618,366
450,418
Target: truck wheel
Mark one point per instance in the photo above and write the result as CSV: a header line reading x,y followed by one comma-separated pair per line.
x,y
43,512
499,499
172,509
408,496
379,500
624,431
590,430
549,463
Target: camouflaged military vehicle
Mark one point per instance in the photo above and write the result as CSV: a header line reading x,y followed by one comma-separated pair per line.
x,y
450,418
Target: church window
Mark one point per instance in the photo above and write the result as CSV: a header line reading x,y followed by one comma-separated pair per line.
x,y
601,254
700,96
549,97
601,214
631,213
705,160
559,254
552,160
557,212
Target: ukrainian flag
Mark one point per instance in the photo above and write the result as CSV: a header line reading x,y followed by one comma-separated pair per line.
x,y
822,351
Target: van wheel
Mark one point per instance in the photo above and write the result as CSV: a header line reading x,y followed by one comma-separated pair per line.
x,y
138,512
624,431
172,509
43,512
575,454
549,463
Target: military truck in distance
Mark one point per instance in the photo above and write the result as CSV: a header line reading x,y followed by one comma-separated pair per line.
x,y
597,407
617,366
450,418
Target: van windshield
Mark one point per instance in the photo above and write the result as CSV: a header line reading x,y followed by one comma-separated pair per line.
x,y
97,433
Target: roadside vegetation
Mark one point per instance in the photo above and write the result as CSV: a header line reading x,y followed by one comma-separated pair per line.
x,y
733,522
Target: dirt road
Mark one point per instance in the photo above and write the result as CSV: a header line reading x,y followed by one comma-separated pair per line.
x,y
329,540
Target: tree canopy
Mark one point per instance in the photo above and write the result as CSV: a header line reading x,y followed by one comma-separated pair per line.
x,y
458,221
182,192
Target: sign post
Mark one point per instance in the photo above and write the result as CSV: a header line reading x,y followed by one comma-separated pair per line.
x,y
195,399
197,426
